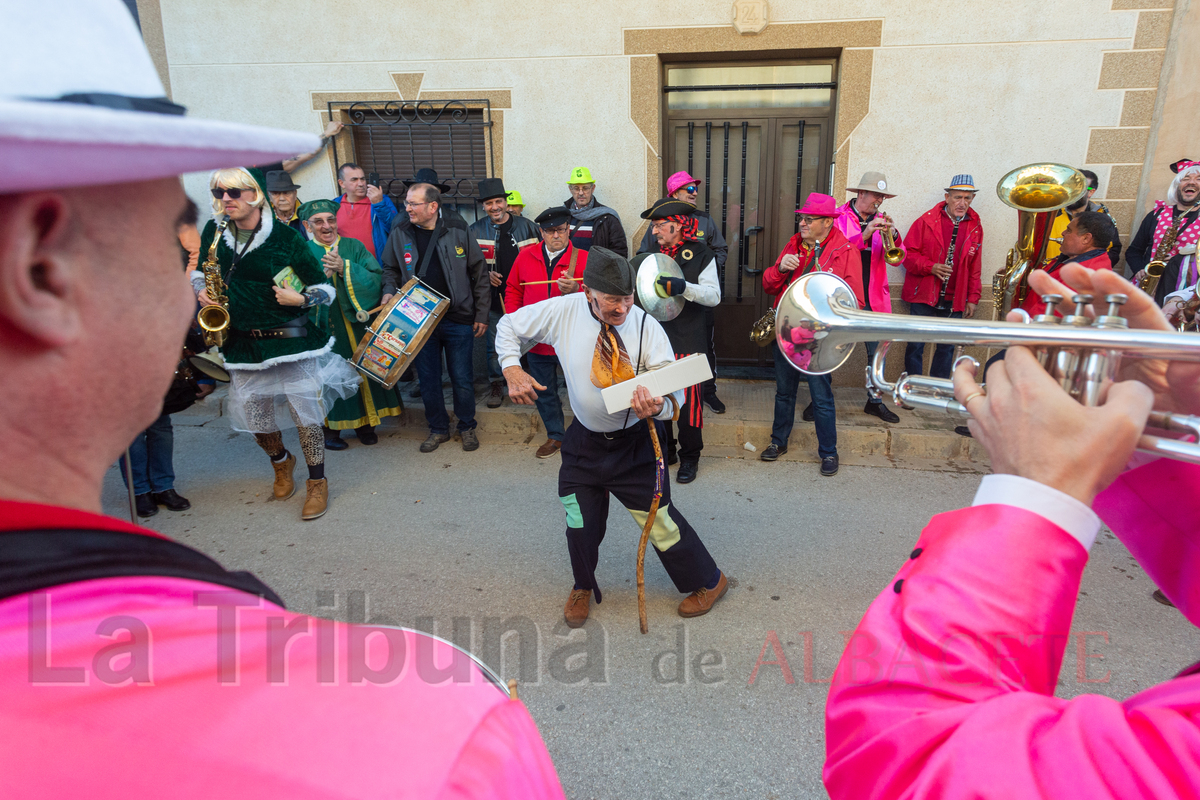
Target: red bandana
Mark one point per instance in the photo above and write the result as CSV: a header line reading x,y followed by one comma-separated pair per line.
x,y
689,224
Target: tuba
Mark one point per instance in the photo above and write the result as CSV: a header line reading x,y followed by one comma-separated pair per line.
x,y
1037,192
214,320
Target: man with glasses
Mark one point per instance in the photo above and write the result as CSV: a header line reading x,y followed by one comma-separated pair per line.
x,y
538,274
682,186
364,212
819,245
594,225
284,201
1084,204
442,253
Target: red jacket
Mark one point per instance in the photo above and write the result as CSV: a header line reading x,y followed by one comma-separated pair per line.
x,y
837,256
881,293
926,246
1093,259
526,281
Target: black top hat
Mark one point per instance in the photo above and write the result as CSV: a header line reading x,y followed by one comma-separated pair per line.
x,y
427,176
668,207
280,181
1175,167
553,217
490,188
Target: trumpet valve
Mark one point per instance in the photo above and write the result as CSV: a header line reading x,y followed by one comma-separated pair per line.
x,y
1051,301
1112,318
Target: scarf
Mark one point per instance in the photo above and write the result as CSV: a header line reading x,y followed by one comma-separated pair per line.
x,y
689,224
592,212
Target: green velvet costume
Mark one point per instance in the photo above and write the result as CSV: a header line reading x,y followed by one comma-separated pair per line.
x,y
358,288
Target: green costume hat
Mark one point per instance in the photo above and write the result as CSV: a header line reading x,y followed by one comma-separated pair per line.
x,y
312,207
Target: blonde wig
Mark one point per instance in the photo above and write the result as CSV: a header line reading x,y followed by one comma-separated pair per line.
x,y
235,178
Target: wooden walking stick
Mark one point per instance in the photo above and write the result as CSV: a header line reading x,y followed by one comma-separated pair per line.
x,y
660,474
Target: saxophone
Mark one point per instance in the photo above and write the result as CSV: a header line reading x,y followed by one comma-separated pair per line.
x,y
1156,267
214,320
762,332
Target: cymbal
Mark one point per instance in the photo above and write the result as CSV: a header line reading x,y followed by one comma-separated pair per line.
x,y
650,267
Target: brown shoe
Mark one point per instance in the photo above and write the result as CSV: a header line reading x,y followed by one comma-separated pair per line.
x,y
284,487
701,601
551,447
578,604
317,501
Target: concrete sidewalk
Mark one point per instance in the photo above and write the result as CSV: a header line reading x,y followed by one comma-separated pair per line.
x,y
921,440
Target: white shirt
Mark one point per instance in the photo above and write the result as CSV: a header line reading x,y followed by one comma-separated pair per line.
x,y
707,292
566,324
1059,508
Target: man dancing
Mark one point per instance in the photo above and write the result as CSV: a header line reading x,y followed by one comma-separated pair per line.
x,y
358,279
675,230
276,356
601,339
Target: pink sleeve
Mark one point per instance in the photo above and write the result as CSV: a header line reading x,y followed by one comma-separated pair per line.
x,y
946,687
1155,511
505,759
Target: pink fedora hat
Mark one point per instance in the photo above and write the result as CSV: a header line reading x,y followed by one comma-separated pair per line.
x,y
679,180
819,205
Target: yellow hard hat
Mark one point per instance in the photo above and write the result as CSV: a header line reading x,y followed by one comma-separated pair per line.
x,y
514,199
580,175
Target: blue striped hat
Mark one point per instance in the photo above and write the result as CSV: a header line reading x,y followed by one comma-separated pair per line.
x,y
962,183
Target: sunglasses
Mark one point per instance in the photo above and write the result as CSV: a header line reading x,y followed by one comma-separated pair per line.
x,y
691,189
235,193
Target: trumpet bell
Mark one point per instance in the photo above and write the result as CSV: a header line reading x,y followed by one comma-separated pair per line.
x,y
806,322
649,267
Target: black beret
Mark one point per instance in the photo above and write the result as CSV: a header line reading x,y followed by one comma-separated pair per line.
x,y
553,217
668,207
608,272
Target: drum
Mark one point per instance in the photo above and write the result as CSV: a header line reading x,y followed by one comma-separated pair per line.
x,y
399,332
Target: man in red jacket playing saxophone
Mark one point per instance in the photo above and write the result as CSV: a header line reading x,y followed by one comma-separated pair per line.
x,y
818,246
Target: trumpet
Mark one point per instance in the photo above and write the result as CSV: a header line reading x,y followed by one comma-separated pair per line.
x,y
822,322
892,253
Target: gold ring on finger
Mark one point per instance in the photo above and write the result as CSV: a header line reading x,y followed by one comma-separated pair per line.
x,y
972,396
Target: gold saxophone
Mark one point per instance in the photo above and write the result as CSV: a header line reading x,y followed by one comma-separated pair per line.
x,y
762,332
1157,265
214,320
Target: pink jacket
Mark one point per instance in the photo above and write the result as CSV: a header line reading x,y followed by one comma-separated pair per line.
x,y
880,291
947,688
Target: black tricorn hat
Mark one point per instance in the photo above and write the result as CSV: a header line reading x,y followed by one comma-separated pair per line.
x,y
490,188
668,207
553,217
427,176
280,181
1179,164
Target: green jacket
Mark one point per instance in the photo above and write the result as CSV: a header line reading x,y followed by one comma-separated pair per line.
x,y
358,288
252,304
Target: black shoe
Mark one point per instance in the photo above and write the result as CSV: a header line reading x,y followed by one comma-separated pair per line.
x,y
772,452
435,439
367,435
829,466
1159,597
963,430
171,499
146,507
810,413
672,458
687,471
414,392
334,441
881,411
714,402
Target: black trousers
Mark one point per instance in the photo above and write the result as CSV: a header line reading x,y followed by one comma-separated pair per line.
x,y
691,426
710,385
594,466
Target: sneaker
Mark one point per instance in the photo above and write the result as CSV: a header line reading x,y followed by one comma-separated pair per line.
x,y
881,411
550,448
714,402
829,466
773,452
435,439
495,398
470,440
810,413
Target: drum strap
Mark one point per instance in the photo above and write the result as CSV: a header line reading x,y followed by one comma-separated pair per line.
x,y
35,560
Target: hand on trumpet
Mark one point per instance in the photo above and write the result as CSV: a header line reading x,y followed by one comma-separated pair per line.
x,y
1176,384
878,223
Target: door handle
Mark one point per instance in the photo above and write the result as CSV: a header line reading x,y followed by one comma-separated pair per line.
x,y
745,248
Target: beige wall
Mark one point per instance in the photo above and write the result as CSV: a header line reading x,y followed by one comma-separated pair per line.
x,y
953,87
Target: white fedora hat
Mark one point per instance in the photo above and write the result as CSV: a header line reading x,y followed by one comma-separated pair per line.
x,y
81,104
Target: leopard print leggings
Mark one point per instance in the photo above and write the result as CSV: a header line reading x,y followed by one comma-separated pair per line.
x,y
312,438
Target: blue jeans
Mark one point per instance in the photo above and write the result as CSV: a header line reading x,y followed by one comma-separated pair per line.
x,y
457,342
495,374
787,383
150,458
943,354
544,370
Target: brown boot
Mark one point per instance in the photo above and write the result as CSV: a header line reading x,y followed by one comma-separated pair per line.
x,y
576,612
701,601
284,487
317,500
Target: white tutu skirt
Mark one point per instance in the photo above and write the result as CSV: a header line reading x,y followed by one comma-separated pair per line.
x,y
290,393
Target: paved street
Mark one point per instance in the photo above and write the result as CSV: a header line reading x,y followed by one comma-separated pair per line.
x,y
474,542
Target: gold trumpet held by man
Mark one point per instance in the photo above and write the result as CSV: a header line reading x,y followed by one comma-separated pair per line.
x,y
214,319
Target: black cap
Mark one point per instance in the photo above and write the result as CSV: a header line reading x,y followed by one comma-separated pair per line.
x,y
280,181
1175,167
427,176
668,207
553,217
608,272
490,188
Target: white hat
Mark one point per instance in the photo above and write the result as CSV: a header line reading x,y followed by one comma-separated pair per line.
x,y
81,105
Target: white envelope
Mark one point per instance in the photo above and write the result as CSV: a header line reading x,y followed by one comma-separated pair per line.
x,y
674,376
